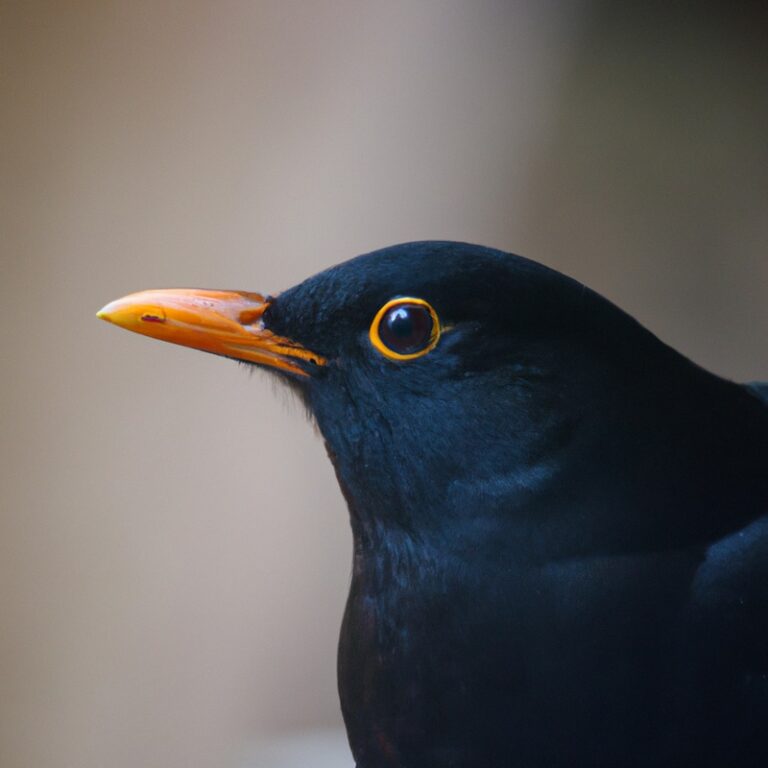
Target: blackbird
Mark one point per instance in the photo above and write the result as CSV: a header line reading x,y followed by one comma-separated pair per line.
x,y
560,523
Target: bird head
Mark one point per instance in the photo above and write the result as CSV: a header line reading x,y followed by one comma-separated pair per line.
x,y
458,388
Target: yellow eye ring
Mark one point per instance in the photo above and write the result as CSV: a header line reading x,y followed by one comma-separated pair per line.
x,y
405,328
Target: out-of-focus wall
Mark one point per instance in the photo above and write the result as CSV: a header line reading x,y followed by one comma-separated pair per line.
x,y
174,551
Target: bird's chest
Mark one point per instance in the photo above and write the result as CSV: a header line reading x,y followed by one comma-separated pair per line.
x,y
406,672
457,667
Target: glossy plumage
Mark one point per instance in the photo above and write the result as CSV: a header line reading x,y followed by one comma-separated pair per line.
x,y
560,524
560,544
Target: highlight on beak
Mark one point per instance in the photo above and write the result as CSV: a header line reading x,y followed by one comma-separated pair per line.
x,y
224,323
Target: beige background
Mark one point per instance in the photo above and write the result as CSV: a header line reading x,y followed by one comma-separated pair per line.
x,y
174,551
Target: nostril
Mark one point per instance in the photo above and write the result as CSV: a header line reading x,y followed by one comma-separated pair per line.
x,y
149,318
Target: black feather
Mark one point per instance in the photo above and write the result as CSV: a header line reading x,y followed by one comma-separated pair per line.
x,y
561,542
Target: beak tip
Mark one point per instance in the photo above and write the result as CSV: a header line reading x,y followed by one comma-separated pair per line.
x,y
105,314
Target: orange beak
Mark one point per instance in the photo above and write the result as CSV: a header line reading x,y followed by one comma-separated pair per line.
x,y
225,323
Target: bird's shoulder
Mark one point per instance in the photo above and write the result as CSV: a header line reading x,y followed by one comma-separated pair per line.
x,y
724,654
760,390
733,576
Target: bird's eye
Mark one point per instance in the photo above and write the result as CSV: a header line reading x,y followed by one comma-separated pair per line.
x,y
405,328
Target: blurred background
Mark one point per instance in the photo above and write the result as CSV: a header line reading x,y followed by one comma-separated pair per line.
x,y
174,551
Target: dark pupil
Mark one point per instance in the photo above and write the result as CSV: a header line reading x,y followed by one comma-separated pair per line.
x,y
406,329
